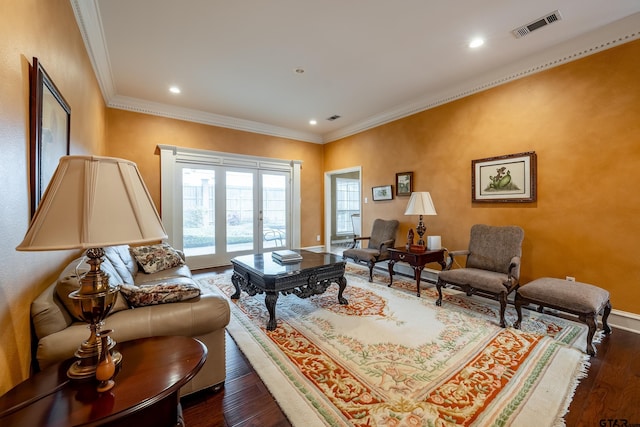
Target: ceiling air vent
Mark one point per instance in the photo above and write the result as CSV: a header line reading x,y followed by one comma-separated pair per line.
x,y
334,117
538,23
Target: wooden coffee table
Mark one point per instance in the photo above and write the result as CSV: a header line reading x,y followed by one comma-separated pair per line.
x,y
417,260
259,273
145,394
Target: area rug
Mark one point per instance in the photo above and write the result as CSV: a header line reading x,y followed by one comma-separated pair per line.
x,y
389,358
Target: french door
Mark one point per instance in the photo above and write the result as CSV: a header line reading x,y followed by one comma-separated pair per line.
x,y
220,211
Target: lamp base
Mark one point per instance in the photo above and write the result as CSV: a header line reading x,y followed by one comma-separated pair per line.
x,y
420,229
86,368
92,303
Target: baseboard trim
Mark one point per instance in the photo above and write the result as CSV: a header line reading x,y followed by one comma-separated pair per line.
x,y
319,248
625,320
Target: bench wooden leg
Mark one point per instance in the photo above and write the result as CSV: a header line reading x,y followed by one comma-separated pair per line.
x,y
591,320
605,317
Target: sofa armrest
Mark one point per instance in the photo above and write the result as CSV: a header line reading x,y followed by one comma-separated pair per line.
x,y
48,313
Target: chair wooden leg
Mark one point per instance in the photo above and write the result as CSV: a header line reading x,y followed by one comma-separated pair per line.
x,y
439,285
503,307
518,303
371,264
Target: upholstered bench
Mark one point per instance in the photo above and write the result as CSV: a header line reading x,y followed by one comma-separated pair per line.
x,y
584,300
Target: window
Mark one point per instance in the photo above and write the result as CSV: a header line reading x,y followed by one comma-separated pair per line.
x,y
347,204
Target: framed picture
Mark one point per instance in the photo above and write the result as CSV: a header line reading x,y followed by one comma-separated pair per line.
x,y
510,178
404,183
50,124
383,192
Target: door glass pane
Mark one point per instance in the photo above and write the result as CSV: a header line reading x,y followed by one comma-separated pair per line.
x,y
274,210
347,204
198,211
240,215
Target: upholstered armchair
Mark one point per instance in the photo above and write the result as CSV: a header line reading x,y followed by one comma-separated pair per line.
x,y
492,266
383,237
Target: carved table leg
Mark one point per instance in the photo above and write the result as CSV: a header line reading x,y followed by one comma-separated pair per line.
x,y
235,279
417,272
342,284
270,301
391,264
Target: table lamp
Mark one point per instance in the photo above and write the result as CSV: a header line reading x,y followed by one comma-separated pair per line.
x,y
420,203
93,202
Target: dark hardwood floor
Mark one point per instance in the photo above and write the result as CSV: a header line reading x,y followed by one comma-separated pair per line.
x,y
609,395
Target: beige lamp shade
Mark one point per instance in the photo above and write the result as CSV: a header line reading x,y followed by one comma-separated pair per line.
x,y
93,202
420,203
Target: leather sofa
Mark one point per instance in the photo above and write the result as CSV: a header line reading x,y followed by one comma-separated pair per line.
x,y
205,317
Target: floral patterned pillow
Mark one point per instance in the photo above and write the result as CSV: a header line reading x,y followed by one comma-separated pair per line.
x,y
155,258
161,293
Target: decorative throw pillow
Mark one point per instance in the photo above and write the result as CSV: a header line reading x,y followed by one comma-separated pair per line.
x,y
161,293
155,258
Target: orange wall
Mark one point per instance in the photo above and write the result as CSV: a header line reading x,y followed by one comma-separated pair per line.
x,y
583,121
135,136
47,30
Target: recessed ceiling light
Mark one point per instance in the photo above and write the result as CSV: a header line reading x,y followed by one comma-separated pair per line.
x,y
313,122
174,89
477,42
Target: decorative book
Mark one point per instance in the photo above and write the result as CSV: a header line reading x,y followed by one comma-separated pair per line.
x,y
286,256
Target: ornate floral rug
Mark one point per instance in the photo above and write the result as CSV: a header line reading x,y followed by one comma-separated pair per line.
x,y
389,358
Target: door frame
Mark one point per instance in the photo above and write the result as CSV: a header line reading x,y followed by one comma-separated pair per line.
x,y
171,155
328,198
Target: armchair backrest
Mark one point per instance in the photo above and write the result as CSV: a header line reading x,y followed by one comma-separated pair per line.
x,y
492,248
383,230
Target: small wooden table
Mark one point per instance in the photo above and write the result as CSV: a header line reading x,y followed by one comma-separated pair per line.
x,y
146,391
416,260
312,275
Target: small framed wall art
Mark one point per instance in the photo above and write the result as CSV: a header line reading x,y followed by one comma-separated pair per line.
x,y
404,183
50,125
383,192
509,178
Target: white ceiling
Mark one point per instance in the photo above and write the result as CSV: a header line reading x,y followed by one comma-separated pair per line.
x,y
368,61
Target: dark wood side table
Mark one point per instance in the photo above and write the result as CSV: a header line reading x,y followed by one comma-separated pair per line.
x,y
146,391
417,260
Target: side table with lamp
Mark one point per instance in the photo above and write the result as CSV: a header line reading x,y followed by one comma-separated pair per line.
x,y
417,256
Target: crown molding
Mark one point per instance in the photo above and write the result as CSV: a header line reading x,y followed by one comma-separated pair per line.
x,y
614,34
197,116
89,22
